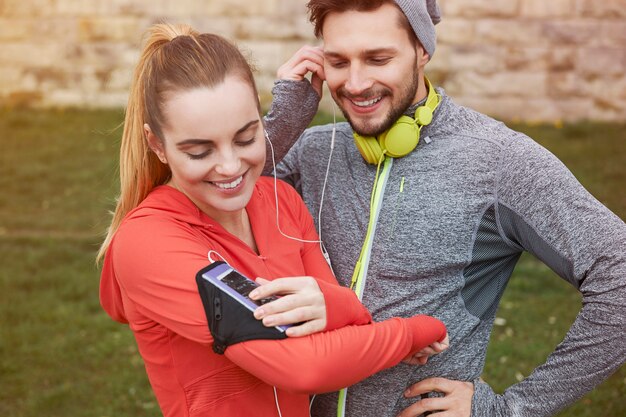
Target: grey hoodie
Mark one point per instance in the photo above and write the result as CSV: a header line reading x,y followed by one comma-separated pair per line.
x,y
456,215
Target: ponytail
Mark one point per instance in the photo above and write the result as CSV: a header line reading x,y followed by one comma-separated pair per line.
x,y
174,57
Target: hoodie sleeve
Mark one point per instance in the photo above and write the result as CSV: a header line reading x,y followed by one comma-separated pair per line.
x,y
149,278
111,297
293,107
329,361
343,307
543,209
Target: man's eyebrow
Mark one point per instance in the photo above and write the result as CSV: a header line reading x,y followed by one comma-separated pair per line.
x,y
205,141
377,51
367,52
330,54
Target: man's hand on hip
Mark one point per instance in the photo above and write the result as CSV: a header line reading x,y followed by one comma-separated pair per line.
x,y
457,401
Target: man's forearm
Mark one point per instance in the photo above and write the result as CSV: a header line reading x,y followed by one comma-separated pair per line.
x,y
293,107
594,348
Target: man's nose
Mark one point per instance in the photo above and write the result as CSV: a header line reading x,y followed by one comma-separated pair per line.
x,y
358,80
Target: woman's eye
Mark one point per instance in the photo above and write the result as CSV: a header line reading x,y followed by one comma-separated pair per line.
x,y
198,155
246,142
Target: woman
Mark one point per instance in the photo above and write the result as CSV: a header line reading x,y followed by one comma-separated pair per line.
x,y
191,157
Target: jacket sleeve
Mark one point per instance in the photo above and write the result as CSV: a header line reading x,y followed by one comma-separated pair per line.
x,y
543,209
144,266
343,307
329,361
293,107
149,275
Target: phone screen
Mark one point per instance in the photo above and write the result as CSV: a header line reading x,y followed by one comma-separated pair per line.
x,y
243,286
235,285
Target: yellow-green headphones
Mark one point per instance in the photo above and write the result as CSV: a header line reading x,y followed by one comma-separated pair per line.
x,y
402,137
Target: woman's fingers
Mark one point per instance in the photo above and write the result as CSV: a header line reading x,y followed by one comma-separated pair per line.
x,y
300,303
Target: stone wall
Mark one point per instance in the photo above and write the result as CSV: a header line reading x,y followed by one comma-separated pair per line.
x,y
515,59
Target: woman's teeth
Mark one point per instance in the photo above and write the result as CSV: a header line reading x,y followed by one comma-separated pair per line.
x,y
228,185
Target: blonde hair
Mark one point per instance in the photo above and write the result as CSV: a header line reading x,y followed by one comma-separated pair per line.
x,y
174,58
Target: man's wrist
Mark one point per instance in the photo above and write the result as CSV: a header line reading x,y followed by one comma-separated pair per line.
x,y
484,400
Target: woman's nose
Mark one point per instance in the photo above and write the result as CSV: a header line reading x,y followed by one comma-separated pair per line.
x,y
229,163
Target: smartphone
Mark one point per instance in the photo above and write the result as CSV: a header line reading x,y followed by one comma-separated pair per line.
x,y
237,286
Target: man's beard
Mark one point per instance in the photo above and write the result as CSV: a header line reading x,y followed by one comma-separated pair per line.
x,y
394,113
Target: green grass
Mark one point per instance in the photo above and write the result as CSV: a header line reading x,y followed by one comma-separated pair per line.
x,y
60,355
56,169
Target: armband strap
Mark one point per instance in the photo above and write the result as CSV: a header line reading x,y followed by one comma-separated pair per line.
x,y
229,321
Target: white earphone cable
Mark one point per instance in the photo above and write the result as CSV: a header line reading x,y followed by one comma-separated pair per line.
x,y
277,405
311,404
330,157
276,198
214,252
319,213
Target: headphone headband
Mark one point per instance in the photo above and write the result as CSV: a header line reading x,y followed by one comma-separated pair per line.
x,y
403,136
432,101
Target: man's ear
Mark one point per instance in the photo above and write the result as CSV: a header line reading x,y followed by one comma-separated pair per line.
x,y
154,143
422,56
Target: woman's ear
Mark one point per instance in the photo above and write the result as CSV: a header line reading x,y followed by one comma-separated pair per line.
x,y
154,143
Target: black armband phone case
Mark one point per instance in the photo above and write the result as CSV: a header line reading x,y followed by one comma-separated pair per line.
x,y
230,321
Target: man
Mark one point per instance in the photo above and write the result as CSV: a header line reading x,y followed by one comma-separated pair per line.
x,y
438,229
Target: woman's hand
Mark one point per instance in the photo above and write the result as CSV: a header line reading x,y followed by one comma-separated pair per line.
x,y
308,59
301,301
421,357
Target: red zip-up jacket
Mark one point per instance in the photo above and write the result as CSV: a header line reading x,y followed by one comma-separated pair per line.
x,y
148,281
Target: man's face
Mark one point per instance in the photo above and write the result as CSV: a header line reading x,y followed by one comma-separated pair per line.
x,y
373,70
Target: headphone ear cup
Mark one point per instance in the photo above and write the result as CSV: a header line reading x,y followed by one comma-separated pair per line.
x,y
423,115
369,147
402,138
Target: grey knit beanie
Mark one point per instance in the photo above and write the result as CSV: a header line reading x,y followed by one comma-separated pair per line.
x,y
423,16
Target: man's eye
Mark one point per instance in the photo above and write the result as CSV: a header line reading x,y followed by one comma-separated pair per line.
x,y
379,61
338,64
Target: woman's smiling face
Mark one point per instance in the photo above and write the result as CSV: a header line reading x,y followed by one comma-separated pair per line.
x,y
213,142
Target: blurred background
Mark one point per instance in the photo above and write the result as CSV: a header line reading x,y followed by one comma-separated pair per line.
x,y
555,70
531,60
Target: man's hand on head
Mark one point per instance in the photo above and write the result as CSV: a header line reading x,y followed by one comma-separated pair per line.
x,y
308,59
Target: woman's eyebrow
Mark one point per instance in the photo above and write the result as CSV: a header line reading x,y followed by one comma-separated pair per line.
x,y
192,141
248,126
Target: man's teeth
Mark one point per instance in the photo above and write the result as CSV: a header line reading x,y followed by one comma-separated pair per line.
x,y
229,185
368,102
